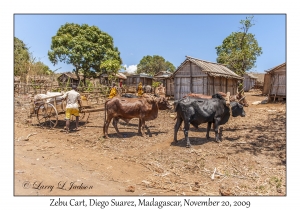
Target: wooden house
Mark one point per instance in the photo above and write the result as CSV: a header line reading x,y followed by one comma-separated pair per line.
x,y
104,78
133,81
199,76
168,82
275,83
249,81
259,84
69,78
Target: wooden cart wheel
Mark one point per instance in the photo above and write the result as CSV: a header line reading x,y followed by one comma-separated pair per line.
x,y
47,115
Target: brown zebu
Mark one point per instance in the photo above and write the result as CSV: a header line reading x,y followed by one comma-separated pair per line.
x,y
145,108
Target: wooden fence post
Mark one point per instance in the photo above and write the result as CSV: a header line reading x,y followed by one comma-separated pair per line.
x,y
277,88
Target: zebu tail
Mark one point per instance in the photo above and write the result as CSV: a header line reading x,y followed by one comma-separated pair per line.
x,y
175,104
105,111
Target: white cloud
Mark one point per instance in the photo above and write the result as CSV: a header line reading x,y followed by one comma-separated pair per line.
x,y
131,68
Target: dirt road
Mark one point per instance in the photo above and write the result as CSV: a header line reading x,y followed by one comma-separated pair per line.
x,y
251,159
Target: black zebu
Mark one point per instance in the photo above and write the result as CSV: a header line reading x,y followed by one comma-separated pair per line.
x,y
196,111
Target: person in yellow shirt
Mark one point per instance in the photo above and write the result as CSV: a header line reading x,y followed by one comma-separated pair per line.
x,y
113,91
140,89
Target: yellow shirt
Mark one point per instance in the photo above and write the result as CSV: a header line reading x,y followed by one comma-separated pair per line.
x,y
140,90
113,92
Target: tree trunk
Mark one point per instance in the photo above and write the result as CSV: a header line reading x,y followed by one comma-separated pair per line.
x,y
84,82
77,72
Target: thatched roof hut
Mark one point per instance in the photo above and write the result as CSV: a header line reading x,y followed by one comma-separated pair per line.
x,y
199,76
70,78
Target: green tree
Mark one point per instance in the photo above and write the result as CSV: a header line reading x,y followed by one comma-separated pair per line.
x,y
154,64
83,46
40,68
240,49
21,57
170,67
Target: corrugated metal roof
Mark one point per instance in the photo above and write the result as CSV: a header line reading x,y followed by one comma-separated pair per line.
x,y
276,67
145,75
212,69
163,74
140,75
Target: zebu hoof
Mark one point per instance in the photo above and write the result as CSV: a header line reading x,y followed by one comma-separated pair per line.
x,y
188,146
218,141
106,136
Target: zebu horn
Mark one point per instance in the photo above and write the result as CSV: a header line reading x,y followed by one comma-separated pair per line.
x,y
241,99
227,98
242,91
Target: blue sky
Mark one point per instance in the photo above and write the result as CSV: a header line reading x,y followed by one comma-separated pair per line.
x,y
172,36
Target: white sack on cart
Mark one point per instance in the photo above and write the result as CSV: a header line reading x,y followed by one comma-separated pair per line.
x,y
49,100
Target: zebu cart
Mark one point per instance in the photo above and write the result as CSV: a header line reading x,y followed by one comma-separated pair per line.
x,y
48,107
